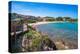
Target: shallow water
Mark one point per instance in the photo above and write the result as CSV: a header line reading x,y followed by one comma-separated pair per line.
x,y
65,31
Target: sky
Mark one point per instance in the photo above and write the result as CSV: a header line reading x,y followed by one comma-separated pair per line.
x,y
44,9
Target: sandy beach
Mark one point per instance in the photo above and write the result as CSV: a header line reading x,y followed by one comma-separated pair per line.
x,y
39,23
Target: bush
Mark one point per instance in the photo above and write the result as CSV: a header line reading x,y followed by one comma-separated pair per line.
x,y
31,21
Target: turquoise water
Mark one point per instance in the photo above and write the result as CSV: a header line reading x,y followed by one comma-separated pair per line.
x,y
67,31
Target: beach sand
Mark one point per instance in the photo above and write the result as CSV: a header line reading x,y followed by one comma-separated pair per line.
x,y
39,23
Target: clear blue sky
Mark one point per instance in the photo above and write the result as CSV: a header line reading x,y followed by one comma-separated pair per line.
x,y
44,9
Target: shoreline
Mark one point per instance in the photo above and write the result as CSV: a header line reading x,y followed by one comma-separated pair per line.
x,y
61,44
39,23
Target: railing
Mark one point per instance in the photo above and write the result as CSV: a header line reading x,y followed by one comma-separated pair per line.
x,y
23,30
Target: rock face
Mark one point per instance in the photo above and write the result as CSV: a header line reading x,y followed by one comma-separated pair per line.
x,y
48,44
63,45
37,42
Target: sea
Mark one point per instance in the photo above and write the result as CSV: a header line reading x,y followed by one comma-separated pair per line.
x,y
66,31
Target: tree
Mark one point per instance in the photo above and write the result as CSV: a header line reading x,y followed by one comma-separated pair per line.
x,y
59,18
67,18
